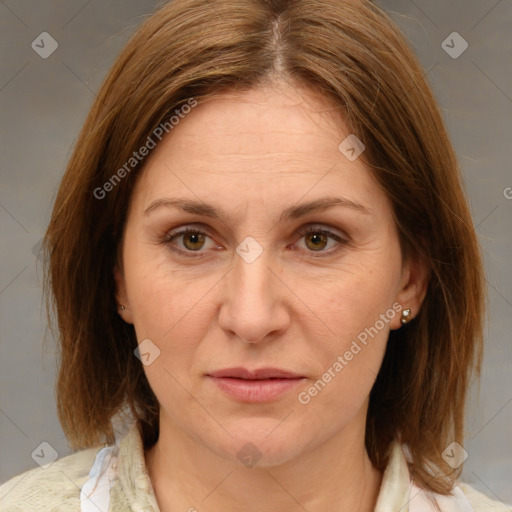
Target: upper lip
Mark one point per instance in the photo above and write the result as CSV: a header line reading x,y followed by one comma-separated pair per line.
x,y
257,374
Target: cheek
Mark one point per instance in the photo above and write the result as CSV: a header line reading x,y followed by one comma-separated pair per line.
x,y
355,301
357,310
159,295
350,358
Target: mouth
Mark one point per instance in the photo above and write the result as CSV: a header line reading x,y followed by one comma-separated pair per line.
x,y
258,374
256,386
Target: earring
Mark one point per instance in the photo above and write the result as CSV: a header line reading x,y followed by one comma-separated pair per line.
x,y
406,316
122,308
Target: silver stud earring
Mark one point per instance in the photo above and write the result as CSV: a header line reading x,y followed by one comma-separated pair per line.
x,y
122,308
406,316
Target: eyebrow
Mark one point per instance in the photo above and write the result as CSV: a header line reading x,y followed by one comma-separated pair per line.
x,y
291,213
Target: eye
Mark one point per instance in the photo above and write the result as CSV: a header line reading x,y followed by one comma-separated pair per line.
x,y
317,238
194,240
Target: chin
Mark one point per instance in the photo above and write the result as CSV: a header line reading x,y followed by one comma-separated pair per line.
x,y
259,442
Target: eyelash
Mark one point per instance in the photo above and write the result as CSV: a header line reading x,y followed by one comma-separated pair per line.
x,y
169,237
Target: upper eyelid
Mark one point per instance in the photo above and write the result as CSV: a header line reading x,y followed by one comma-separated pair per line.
x,y
309,226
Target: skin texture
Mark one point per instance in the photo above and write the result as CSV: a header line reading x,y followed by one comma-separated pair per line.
x,y
298,306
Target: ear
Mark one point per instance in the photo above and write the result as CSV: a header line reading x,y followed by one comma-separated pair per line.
x,y
413,288
121,296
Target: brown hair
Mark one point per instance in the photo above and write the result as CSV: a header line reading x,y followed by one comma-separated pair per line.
x,y
352,53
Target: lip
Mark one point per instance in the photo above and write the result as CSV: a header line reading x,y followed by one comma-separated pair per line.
x,y
257,374
255,386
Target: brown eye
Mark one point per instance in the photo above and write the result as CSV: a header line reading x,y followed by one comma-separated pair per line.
x,y
193,240
316,241
188,242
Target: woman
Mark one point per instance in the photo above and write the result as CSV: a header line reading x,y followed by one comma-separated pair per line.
x,y
261,252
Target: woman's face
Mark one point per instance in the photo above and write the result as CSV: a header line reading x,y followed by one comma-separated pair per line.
x,y
249,287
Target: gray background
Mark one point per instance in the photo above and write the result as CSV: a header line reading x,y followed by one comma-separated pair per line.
x,y
44,103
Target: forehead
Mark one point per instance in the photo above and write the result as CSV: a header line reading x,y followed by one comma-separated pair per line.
x,y
267,123
264,145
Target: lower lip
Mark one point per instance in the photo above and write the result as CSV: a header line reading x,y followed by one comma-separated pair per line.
x,y
255,391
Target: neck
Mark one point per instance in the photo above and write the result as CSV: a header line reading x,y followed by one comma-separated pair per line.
x,y
336,475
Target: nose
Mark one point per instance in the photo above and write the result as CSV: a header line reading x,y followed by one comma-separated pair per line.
x,y
254,302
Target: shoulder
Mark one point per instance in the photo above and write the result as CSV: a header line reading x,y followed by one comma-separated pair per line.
x,y
54,488
482,503
400,492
